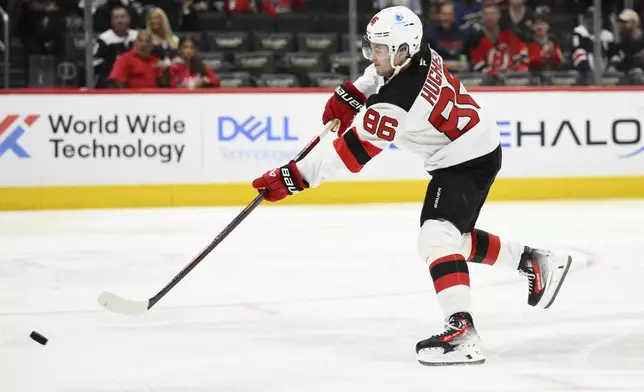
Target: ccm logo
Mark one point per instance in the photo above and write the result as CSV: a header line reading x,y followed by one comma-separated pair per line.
x,y
348,98
288,181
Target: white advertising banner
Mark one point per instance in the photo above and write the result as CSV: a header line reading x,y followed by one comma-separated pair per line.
x,y
123,139
98,140
569,134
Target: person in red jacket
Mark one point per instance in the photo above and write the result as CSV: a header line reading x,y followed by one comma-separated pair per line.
x,y
137,68
543,52
495,50
188,70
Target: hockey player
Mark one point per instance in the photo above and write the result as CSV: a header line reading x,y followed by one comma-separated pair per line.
x,y
408,97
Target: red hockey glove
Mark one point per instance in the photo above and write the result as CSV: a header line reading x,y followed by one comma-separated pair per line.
x,y
345,102
281,182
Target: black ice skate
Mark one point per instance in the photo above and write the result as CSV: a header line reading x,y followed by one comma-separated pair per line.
x,y
546,273
458,345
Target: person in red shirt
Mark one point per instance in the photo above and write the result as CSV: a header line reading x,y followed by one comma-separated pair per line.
x,y
188,70
137,68
543,52
494,50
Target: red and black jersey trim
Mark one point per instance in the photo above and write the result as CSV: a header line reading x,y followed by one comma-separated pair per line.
x,y
485,247
449,271
403,89
355,152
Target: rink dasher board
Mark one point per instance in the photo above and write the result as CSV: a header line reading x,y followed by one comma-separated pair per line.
x,y
92,150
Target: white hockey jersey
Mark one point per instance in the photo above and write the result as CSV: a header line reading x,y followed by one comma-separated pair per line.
x,y
423,109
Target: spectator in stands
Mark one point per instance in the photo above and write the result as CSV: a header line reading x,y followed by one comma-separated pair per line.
x,y
164,42
496,51
448,40
138,68
188,70
543,52
518,18
468,13
111,44
630,50
102,10
583,44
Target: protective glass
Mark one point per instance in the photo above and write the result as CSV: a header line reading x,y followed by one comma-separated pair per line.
x,y
367,50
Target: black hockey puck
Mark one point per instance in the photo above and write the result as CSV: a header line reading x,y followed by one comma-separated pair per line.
x,y
38,337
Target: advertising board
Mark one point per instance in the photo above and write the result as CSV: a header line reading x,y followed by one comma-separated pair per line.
x,y
225,139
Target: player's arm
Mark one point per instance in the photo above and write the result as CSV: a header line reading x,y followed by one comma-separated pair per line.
x,y
371,132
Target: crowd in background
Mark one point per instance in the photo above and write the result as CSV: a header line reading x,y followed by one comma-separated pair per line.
x,y
206,43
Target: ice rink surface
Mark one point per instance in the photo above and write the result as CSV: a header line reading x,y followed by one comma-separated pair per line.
x,y
310,299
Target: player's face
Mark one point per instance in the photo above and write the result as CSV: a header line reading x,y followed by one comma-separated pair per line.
x,y
380,59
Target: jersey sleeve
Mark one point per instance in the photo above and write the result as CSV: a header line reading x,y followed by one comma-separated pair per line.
x,y
373,130
368,82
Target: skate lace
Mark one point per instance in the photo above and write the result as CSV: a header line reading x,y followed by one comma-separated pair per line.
x,y
532,277
449,328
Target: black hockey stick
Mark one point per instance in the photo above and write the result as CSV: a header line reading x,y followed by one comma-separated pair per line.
x,y
121,305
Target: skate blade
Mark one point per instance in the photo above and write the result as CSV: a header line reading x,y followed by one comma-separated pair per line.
x,y
454,358
559,282
479,362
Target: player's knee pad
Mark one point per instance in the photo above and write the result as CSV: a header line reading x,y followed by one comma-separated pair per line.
x,y
438,238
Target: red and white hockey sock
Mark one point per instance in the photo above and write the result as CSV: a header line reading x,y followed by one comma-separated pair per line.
x,y
452,284
486,248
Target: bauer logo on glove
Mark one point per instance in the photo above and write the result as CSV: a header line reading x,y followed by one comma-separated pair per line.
x,y
348,98
343,105
281,182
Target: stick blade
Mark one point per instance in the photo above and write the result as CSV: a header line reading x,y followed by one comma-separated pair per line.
x,y
116,304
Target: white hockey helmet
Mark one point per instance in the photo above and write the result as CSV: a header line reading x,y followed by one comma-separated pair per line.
x,y
394,27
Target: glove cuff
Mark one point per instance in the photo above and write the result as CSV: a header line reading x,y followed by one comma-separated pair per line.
x,y
292,178
350,95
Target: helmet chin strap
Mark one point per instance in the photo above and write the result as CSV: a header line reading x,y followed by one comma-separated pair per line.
x,y
397,68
